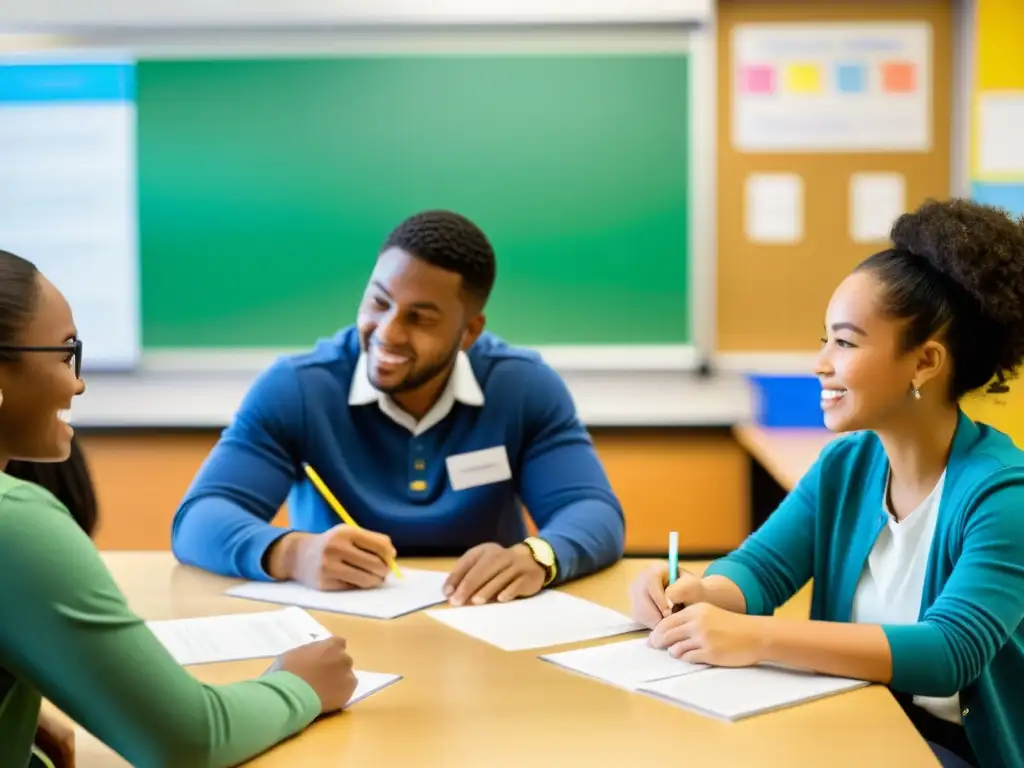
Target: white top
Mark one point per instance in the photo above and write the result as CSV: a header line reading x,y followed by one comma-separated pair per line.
x,y
890,587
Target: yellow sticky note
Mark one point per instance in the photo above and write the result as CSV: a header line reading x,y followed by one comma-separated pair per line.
x,y
803,78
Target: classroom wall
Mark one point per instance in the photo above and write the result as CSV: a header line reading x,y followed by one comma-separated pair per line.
x,y
754,270
663,477
693,480
977,55
753,276
996,104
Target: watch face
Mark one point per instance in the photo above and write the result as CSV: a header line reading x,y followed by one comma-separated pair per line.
x,y
543,555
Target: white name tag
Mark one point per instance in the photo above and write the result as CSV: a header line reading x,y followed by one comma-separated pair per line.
x,y
468,470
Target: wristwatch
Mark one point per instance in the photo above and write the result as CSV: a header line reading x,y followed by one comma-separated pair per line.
x,y
544,555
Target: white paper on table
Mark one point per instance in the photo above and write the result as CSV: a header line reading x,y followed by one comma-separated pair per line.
x,y
396,597
1000,126
774,208
876,201
369,683
232,637
735,693
548,619
626,664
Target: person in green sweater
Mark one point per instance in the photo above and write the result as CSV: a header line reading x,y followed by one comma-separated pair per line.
x,y
912,526
66,631
71,482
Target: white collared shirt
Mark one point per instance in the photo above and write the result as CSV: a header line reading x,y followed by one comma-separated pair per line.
x,y
462,387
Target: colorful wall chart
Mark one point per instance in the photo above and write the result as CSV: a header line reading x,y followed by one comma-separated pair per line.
x,y
997,152
832,87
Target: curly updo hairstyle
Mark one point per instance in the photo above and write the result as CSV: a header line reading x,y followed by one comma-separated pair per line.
x,y
956,268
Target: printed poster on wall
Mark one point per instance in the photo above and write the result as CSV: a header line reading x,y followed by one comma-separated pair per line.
x,y
836,87
68,190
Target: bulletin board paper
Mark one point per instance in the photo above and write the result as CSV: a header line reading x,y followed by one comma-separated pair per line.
x,y
876,201
832,87
774,208
1000,130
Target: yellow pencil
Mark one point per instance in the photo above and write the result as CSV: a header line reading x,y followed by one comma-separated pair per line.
x,y
336,506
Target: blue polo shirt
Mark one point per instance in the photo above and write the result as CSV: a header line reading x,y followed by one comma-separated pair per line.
x,y
503,434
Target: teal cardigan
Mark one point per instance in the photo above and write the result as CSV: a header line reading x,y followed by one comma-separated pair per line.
x,y
969,636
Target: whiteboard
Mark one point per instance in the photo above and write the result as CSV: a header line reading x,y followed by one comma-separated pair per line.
x,y
68,199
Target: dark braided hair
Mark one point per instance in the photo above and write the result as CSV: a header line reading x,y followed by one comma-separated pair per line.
x,y
68,480
452,242
957,268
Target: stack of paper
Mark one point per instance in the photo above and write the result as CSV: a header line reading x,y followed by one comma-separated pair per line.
x,y
627,664
735,693
396,597
239,636
550,618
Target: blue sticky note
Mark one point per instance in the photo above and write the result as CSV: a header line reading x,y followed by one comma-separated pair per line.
x,y
1007,195
851,78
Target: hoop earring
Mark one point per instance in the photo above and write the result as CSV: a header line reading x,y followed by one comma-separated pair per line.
x,y
916,393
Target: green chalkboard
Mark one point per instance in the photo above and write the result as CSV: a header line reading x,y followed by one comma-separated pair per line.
x,y
267,186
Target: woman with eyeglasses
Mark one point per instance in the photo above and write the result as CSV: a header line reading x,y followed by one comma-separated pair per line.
x,y
66,632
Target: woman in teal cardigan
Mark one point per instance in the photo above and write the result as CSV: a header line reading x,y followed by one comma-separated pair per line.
x,y
912,527
66,631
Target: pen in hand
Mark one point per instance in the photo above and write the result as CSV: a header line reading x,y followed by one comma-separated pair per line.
x,y
673,565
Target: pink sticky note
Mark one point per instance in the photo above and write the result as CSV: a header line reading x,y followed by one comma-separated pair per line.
x,y
758,78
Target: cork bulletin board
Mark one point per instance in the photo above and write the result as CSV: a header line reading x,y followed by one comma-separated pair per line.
x,y
831,116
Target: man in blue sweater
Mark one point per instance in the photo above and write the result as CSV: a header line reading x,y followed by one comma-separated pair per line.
x,y
431,433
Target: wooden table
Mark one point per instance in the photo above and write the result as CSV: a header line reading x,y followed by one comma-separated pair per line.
x,y
786,454
463,702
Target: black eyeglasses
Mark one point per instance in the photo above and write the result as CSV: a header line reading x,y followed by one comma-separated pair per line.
x,y
73,348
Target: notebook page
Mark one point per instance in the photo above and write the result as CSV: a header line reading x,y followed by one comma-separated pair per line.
x,y
627,664
233,637
210,639
735,693
550,618
368,683
396,597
